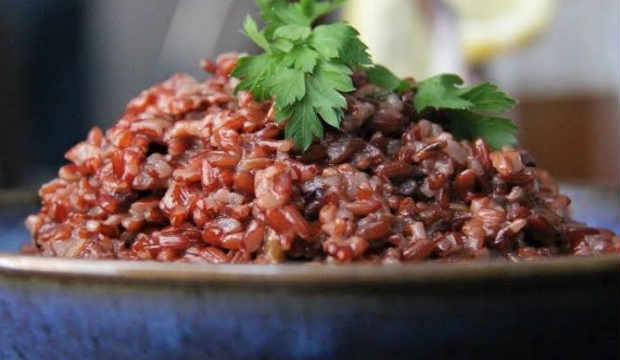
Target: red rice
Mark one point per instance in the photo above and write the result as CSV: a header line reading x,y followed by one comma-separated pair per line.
x,y
194,173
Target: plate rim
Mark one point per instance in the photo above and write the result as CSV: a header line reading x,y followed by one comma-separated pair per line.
x,y
301,273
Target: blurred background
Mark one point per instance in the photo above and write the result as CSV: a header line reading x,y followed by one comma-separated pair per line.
x,y
68,65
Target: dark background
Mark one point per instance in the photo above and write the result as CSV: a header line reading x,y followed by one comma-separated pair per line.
x,y
43,85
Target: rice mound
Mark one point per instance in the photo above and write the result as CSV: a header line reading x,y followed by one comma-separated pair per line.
x,y
195,173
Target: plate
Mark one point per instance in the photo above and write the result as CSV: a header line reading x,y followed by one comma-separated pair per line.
x,y
67,308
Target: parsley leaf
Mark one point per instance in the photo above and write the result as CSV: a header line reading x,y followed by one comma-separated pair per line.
x,y
282,44
314,10
277,13
336,76
340,40
303,125
440,92
463,106
304,70
251,30
286,86
487,97
302,58
292,32
383,77
496,131
253,70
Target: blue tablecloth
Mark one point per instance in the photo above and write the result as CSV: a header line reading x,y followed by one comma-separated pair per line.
x,y
12,230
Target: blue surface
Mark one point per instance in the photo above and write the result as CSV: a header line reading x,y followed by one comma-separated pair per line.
x,y
13,233
597,207
47,318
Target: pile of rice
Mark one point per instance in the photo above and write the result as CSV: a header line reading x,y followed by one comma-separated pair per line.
x,y
194,173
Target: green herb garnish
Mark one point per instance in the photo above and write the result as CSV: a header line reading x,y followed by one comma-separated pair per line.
x,y
383,77
306,69
472,111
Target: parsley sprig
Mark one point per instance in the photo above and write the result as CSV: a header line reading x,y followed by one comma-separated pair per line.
x,y
473,112
306,69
